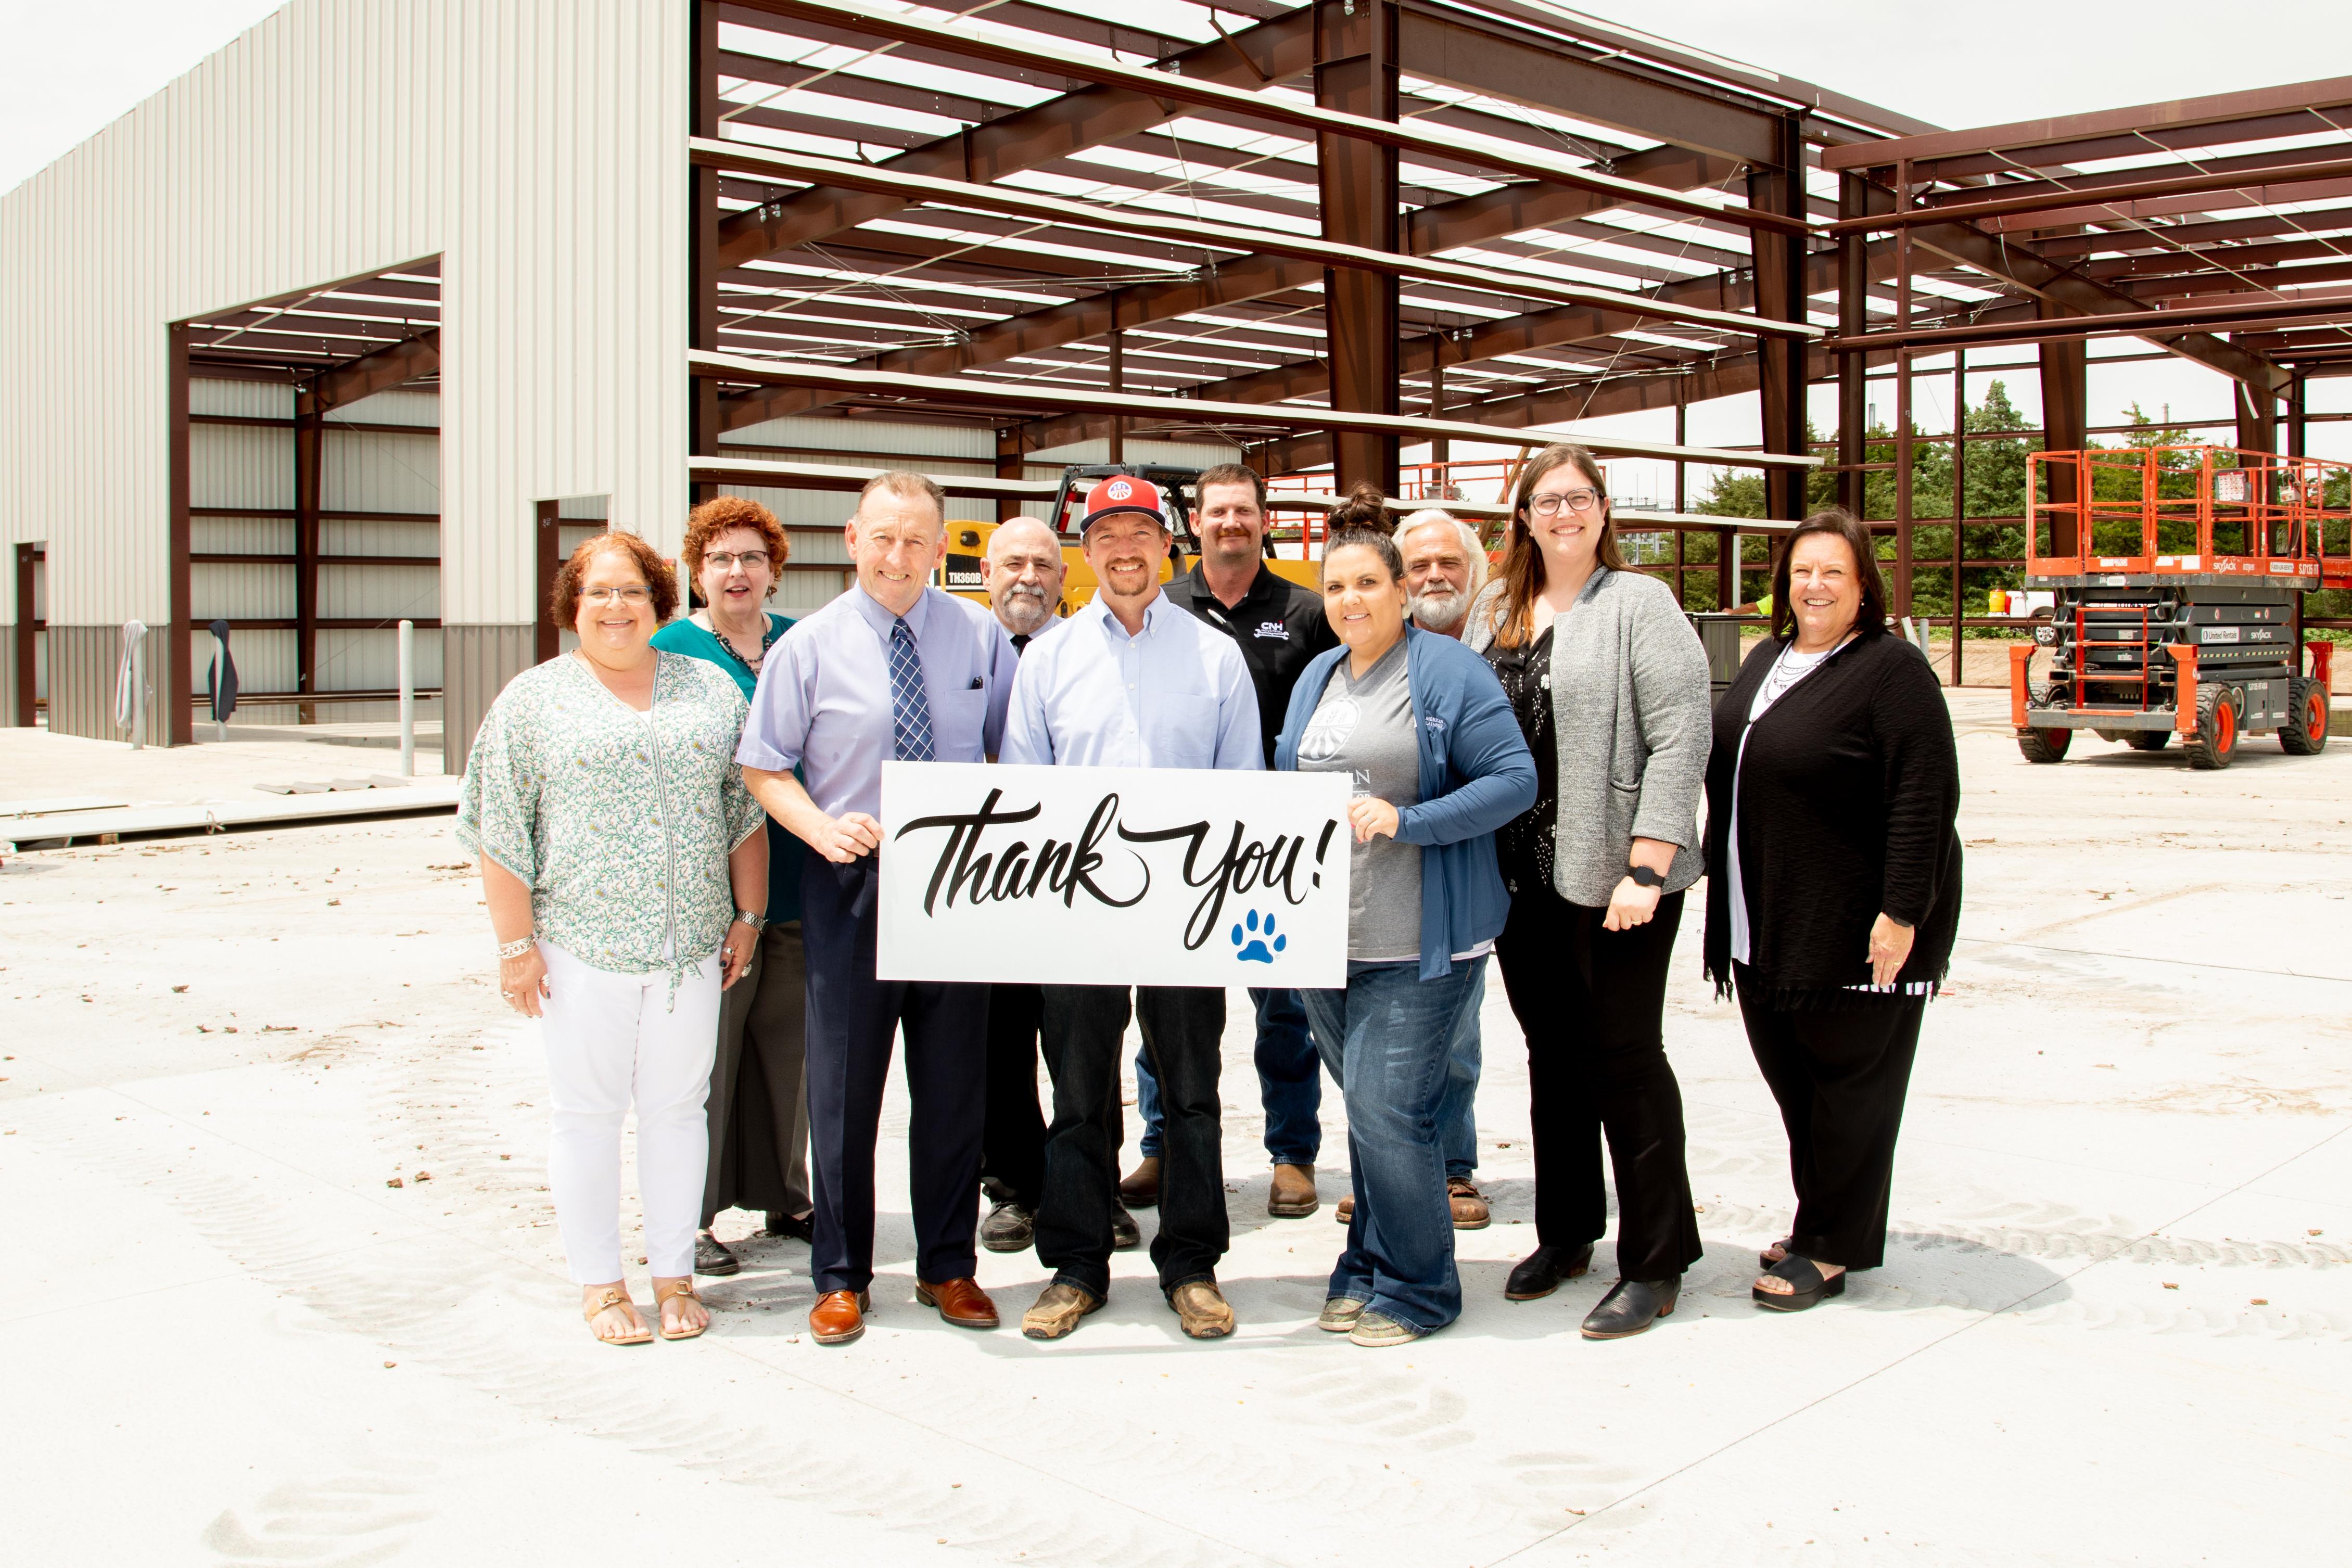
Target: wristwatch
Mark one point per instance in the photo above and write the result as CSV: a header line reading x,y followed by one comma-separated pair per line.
x,y
1644,877
756,921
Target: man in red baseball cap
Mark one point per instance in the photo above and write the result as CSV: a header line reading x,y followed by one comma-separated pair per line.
x,y
1133,680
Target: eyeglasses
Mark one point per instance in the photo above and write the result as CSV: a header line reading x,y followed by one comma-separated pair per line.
x,y
632,596
752,560
1574,500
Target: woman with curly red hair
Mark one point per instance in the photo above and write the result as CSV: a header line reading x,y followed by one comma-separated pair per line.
x,y
734,552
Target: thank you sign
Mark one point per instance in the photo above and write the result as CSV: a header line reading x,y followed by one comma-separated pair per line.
x,y
1113,876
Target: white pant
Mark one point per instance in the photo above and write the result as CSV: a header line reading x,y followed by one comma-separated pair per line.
x,y
612,1039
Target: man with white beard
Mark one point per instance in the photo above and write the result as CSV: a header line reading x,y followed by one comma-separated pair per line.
x,y
1445,570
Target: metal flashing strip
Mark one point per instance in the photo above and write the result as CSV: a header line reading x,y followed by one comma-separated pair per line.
x,y
747,157
1199,411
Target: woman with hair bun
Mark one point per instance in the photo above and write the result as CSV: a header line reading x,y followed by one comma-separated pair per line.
x,y
1610,686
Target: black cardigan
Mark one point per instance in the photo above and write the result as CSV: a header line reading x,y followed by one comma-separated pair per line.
x,y
1851,790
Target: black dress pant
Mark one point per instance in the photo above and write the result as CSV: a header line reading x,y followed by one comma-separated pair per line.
x,y
1012,1149
1840,1077
1183,1031
1591,1003
759,1096
852,1018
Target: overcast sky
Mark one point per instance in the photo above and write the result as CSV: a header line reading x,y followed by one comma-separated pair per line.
x,y
68,69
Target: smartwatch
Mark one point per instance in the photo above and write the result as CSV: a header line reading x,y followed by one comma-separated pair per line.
x,y
1644,877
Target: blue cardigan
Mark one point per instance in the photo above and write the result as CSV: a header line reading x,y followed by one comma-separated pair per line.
x,y
1476,774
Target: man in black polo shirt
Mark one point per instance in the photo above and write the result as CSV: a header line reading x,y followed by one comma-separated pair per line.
x,y
1280,626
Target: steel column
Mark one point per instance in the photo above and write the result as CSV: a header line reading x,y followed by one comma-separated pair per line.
x,y
1441,448
1779,260
1853,370
549,555
310,451
1010,466
703,259
1356,72
28,692
1959,499
2257,419
2298,429
2065,414
1902,452
1117,373
1682,535
179,695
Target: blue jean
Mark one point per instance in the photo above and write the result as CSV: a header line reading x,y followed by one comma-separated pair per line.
x,y
1389,1039
1289,1084
1458,1115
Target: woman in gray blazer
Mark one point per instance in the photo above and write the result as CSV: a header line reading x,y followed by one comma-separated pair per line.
x,y
1610,686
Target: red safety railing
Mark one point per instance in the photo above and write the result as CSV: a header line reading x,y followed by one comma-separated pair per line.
x,y
2178,510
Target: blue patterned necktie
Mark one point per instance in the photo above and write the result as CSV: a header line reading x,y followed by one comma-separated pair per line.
x,y
911,709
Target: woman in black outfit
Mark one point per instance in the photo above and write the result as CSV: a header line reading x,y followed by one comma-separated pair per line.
x,y
1831,794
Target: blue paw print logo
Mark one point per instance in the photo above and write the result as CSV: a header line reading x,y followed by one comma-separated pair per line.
x,y
1254,946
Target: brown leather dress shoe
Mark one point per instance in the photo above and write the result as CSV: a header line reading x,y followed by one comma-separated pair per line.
x,y
1293,1195
1468,1203
1347,1209
1202,1310
960,1302
1140,1189
839,1316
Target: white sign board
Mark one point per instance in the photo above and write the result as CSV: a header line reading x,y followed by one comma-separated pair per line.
x,y
1113,876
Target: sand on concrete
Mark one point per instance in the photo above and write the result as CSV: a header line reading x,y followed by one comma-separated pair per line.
x,y
2113,1325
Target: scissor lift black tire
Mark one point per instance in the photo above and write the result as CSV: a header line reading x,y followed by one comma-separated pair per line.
x,y
2215,744
2146,739
2044,745
2305,734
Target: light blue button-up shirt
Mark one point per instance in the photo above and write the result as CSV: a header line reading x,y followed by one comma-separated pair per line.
x,y
823,699
1175,695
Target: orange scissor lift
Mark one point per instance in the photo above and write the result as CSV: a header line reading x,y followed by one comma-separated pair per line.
x,y
2178,574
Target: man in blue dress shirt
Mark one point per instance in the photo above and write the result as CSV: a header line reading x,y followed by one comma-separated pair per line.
x,y
1133,680
892,669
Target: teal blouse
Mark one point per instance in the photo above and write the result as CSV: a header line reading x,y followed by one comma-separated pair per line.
x,y
619,822
784,850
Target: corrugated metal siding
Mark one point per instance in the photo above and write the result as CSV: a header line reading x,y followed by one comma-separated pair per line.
x,y
533,145
252,400
477,664
83,664
801,434
240,465
370,471
400,406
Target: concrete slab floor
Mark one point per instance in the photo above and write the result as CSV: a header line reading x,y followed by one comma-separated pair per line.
x,y
2112,1327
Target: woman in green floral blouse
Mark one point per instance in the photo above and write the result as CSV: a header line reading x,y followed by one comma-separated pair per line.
x,y
625,874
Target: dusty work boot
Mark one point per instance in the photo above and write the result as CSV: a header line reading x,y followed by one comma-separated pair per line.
x,y
1339,1314
1201,1309
1345,1210
1141,1188
711,1257
1126,1235
1293,1195
1468,1203
1058,1310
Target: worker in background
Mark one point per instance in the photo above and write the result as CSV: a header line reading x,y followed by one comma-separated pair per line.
x,y
1132,681
1022,571
892,669
1279,626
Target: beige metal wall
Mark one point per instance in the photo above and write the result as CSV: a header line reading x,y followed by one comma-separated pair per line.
x,y
532,145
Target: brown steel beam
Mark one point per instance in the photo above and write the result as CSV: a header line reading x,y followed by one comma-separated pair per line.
x,y
1779,268
1356,73
2065,416
2055,131
1072,123
1179,87
546,556
27,627
1852,371
2092,194
1508,209
705,61
310,443
178,683
2242,315
380,370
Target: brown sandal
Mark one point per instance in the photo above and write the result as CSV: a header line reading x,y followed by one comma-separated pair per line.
x,y
667,1293
615,1296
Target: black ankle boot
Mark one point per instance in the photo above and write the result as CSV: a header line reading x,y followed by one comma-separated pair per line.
x,y
1542,1271
1632,1306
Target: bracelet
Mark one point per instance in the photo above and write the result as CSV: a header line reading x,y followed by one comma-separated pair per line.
x,y
517,948
756,921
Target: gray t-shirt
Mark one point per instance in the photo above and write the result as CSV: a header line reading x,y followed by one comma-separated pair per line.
x,y
1364,728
